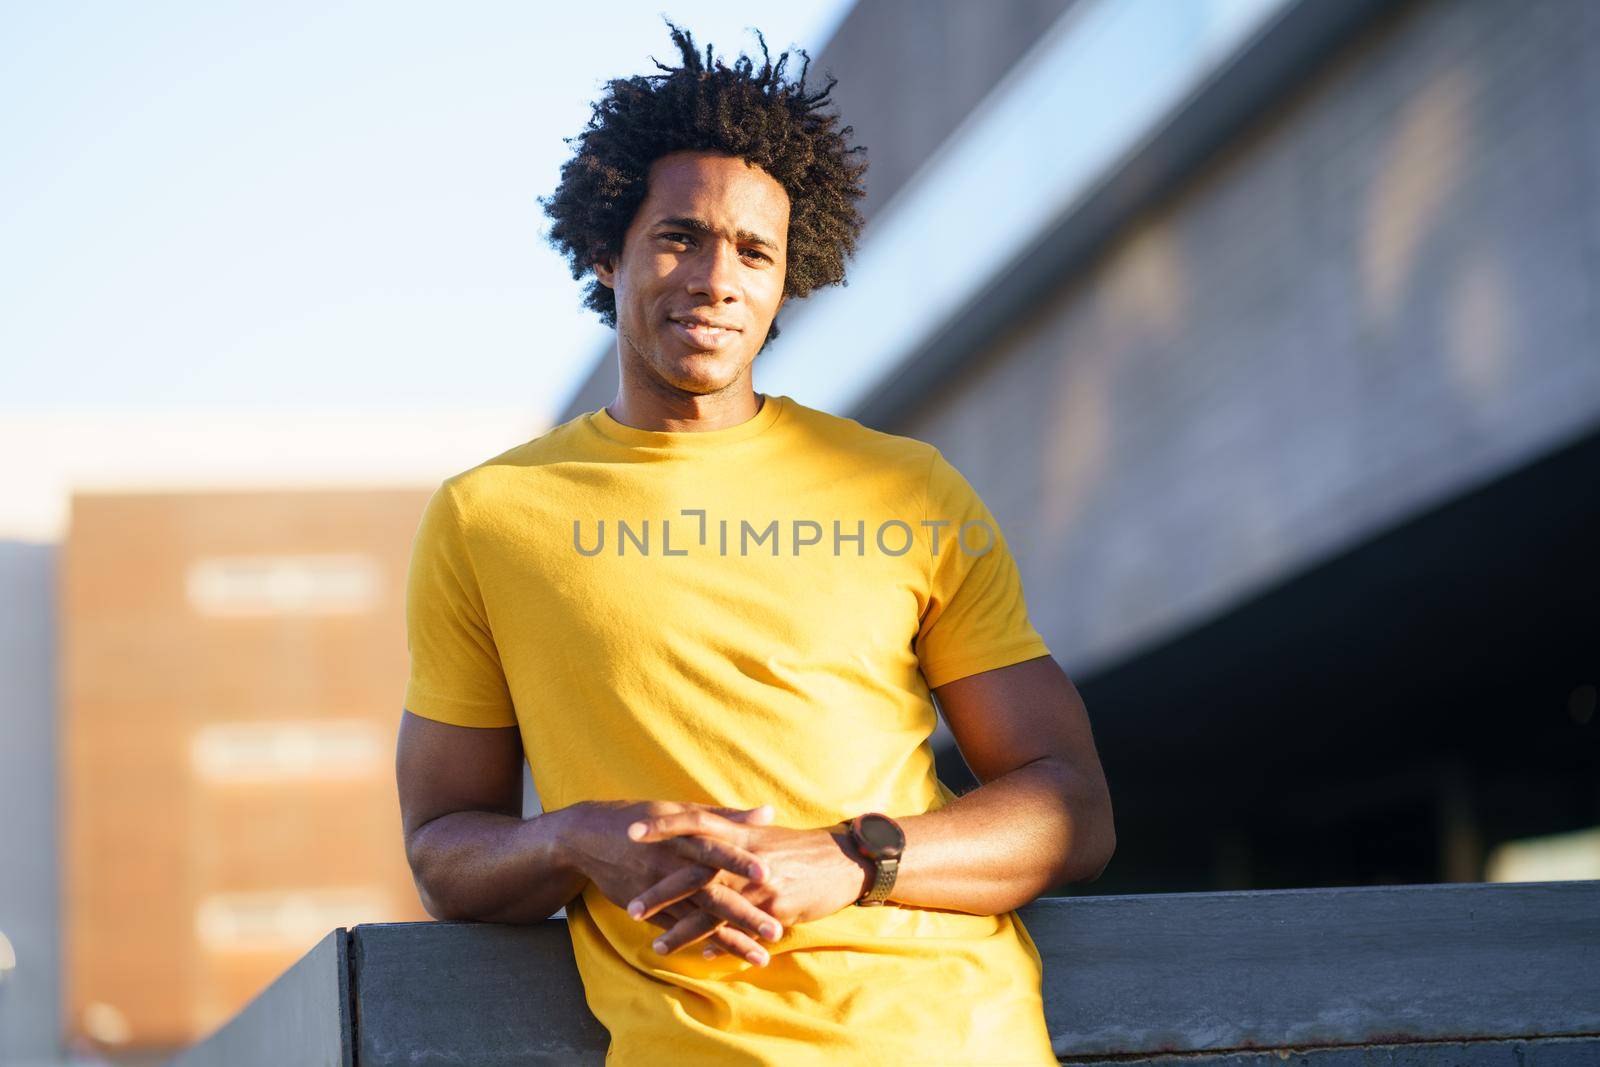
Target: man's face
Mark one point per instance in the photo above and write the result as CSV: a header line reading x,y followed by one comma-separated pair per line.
x,y
709,245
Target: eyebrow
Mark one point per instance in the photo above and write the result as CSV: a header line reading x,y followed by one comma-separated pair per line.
x,y
704,228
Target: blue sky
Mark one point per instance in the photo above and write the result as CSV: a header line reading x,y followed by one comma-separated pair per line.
x,y
296,206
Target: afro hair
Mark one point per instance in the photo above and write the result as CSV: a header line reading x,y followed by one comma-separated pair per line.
x,y
750,114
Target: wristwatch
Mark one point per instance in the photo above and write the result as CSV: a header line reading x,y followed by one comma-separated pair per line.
x,y
880,839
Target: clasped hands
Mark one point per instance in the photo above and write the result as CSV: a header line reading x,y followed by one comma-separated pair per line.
x,y
725,876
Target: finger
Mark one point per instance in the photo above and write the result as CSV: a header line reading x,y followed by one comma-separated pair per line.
x,y
720,855
669,916
724,940
671,889
699,927
730,905
701,821
686,931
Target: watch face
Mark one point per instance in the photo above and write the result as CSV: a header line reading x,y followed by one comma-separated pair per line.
x,y
881,836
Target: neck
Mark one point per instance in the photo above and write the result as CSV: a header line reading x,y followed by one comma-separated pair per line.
x,y
673,410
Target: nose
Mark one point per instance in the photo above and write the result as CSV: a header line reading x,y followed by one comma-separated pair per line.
x,y
714,276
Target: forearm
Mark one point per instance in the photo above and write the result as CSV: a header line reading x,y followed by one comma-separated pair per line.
x,y
490,867
1007,842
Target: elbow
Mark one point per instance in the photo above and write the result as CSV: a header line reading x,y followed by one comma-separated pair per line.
x,y
437,909
1090,863
433,892
1103,858
433,900
1093,832
1099,845
443,906
1106,839
447,896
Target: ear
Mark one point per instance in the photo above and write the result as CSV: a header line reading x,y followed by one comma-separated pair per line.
x,y
607,273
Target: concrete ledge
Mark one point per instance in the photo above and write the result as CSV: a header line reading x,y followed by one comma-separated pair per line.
x,y
492,994
1475,974
1540,1052
1312,967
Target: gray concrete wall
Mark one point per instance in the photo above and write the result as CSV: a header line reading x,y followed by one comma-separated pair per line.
x,y
1385,291
911,70
302,1018
29,884
1473,975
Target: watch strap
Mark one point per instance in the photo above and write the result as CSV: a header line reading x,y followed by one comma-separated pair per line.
x,y
882,885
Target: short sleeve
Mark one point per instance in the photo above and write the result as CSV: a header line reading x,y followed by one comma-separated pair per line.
x,y
975,618
456,676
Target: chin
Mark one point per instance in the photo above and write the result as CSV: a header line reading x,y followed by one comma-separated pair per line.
x,y
706,374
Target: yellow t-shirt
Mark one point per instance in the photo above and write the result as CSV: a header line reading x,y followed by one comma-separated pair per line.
x,y
739,616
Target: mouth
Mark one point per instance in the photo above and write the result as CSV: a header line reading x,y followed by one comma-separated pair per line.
x,y
703,336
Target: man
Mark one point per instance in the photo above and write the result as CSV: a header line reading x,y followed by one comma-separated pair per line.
x,y
713,621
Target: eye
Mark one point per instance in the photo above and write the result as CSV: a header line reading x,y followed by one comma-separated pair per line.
x,y
758,255
676,238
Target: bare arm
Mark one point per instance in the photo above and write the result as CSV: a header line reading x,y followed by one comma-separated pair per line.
x,y
472,854
1043,813
474,857
1041,817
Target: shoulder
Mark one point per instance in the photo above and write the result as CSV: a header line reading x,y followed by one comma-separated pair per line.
x,y
914,463
508,475
868,445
